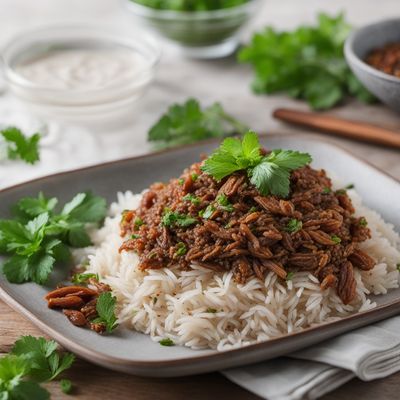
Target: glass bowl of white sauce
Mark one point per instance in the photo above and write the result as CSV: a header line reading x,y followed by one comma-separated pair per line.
x,y
79,72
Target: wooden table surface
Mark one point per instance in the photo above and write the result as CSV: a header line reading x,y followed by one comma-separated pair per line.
x,y
177,79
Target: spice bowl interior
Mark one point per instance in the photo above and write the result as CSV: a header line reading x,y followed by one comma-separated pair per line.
x,y
357,47
199,34
79,73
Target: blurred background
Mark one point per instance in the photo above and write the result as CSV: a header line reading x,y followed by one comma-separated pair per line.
x,y
176,78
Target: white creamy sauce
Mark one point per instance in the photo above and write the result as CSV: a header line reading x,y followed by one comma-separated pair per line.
x,y
83,68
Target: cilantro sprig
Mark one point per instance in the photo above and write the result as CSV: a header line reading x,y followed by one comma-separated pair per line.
x,y
105,308
270,174
306,63
38,236
188,123
31,361
20,147
171,219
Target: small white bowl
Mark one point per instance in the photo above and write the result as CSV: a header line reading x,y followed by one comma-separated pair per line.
x,y
77,103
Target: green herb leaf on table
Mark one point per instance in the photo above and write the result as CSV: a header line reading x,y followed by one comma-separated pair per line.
x,y
188,123
31,361
269,174
66,386
46,362
306,63
19,146
106,310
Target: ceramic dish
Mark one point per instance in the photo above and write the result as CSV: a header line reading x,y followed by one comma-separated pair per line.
x,y
359,44
136,353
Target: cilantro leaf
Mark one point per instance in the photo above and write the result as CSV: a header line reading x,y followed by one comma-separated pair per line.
x,y
21,147
105,308
269,174
27,390
172,219
46,362
83,278
294,225
39,237
268,178
307,63
34,206
66,386
188,122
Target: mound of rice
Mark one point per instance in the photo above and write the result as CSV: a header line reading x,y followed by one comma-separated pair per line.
x,y
201,308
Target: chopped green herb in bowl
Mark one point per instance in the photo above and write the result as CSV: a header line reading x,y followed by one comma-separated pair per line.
x,y
203,29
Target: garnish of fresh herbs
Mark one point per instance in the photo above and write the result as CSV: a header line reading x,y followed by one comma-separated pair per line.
x,y
306,63
31,362
39,236
18,146
188,123
105,308
270,174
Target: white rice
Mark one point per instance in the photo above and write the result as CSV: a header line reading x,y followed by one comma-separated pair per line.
x,y
201,308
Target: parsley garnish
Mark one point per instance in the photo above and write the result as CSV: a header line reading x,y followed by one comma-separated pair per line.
x,y
166,342
363,222
83,278
269,174
326,190
19,146
336,239
171,219
31,361
181,181
289,276
105,308
224,203
208,212
181,249
350,186
306,63
398,267
66,386
192,198
211,310
39,237
135,236
138,222
294,225
188,123
194,177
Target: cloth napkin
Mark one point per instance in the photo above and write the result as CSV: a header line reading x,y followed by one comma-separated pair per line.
x,y
369,353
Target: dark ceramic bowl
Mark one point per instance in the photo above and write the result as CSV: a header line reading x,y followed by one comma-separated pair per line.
x,y
358,45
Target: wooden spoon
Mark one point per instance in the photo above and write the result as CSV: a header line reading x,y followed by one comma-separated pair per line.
x,y
340,127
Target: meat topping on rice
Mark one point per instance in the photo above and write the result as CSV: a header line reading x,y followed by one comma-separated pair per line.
x,y
229,225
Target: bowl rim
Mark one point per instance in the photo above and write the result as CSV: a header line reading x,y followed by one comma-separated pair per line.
x,y
145,11
353,58
12,77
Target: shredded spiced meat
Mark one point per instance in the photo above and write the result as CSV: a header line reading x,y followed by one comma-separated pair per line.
x,y
228,225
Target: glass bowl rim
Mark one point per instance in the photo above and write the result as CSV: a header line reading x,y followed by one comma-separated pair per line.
x,y
145,11
112,35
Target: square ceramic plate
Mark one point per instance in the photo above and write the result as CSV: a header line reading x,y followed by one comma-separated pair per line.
x,y
134,352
